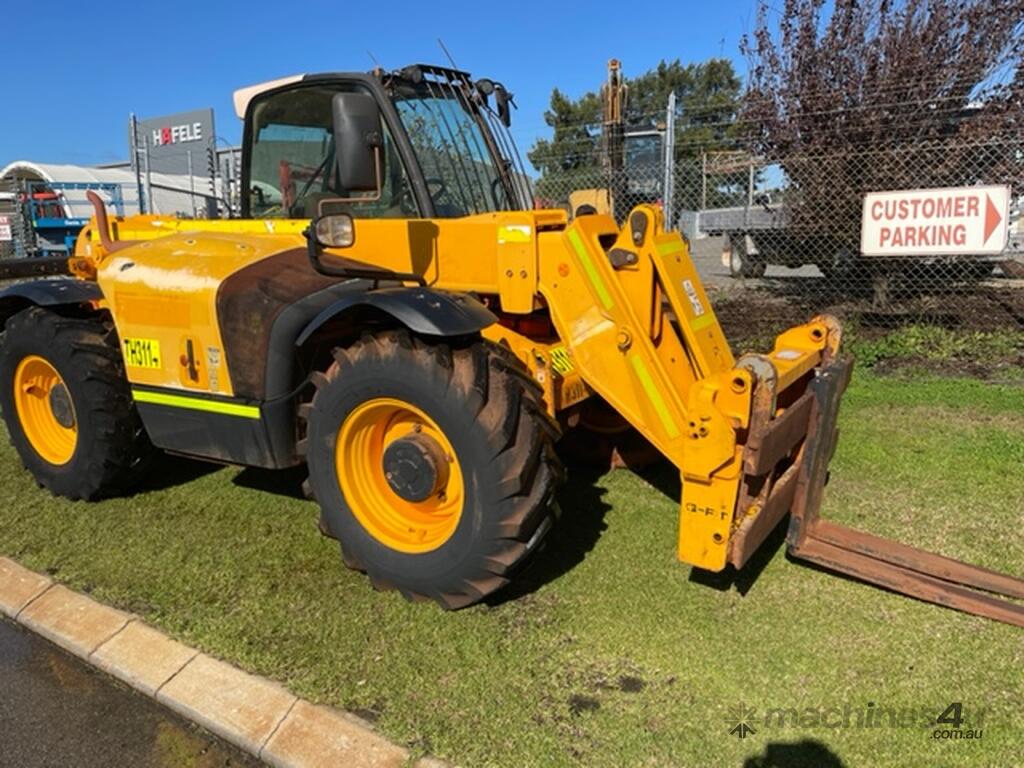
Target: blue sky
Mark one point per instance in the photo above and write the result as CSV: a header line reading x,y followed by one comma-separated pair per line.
x,y
80,68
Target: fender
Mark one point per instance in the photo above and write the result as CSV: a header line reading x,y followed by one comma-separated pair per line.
x,y
53,292
421,310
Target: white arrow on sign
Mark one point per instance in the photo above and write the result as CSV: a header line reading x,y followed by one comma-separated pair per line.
x,y
936,222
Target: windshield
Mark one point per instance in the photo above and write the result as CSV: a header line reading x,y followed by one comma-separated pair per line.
x,y
292,168
644,164
459,168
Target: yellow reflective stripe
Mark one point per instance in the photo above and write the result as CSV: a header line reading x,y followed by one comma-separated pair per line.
x,y
640,369
591,270
196,404
702,322
515,233
669,247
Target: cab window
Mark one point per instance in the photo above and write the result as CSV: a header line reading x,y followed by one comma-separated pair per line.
x,y
292,166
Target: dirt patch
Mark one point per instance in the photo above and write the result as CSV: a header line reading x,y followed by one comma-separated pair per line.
x,y
578,704
756,312
751,318
990,370
371,713
982,326
631,684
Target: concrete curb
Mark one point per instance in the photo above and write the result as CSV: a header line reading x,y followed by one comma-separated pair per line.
x,y
254,713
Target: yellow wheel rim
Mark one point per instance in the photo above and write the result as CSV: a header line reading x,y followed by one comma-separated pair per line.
x,y
45,410
361,451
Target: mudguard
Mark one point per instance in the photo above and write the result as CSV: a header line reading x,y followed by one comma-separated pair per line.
x,y
421,310
49,292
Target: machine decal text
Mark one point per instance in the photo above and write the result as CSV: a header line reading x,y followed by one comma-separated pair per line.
x,y
141,353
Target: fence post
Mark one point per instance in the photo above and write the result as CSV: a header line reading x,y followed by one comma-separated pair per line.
x,y
191,185
231,184
703,179
148,175
669,182
133,139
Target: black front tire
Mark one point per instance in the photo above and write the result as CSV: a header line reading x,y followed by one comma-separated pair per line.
x,y
492,414
112,449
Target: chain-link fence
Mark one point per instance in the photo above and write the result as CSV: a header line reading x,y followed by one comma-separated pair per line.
x,y
781,237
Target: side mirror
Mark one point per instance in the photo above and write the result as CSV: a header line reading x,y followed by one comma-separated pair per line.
x,y
358,139
334,230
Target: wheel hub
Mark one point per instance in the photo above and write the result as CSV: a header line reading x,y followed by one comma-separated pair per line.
x,y
60,404
415,467
400,475
45,410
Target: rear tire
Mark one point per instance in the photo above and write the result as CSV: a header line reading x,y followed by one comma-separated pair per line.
x,y
741,262
68,405
488,459
845,269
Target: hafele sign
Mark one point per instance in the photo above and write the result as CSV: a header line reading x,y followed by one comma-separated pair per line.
x,y
948,221
177,134
170,140
5,229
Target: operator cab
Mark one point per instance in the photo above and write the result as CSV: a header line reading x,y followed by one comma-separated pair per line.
x,y
420,142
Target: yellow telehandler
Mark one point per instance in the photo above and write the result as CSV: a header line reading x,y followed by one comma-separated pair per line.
x,y
392,312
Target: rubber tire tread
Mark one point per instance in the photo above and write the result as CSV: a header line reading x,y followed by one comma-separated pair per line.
x,y
487,396
113,450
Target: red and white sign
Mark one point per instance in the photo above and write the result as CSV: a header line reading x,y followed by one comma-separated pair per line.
x,y
176,134
935,222
5,229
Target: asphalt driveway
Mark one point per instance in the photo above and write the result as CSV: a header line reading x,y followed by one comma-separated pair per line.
x,y
56,711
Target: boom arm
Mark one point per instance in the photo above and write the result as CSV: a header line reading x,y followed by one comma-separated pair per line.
x,y
634,315
752,438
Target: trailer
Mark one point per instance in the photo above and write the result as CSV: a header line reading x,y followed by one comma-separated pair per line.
x,y
757,236
771,228
760,234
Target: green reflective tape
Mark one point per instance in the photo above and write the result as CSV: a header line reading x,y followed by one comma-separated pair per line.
x,y
702,322
196,404
591,270
669,247
640,369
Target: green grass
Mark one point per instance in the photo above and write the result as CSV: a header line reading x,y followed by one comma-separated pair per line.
x,y
611,653
932,343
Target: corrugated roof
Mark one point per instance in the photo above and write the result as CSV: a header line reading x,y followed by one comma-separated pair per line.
x,y
168,202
